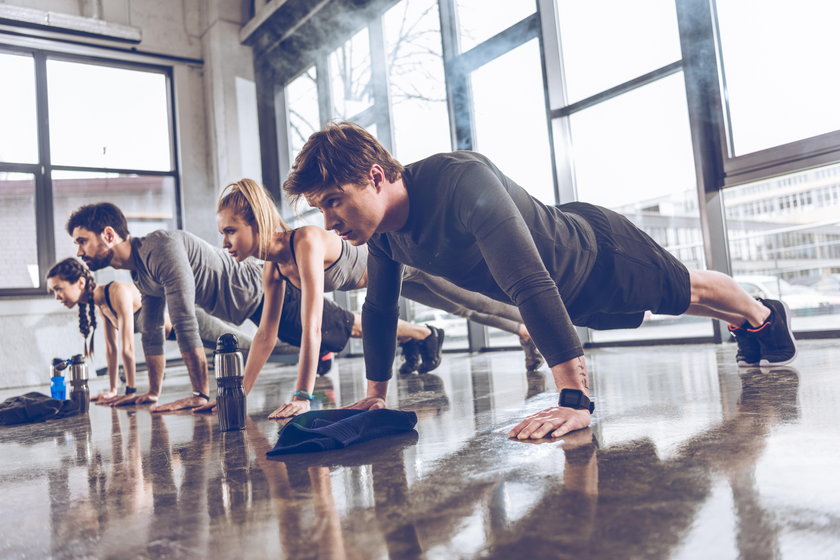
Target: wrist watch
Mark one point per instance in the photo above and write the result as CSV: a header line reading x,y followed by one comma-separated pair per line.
x,y
575,398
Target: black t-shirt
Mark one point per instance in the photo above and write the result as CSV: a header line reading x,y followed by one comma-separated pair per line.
x,y
474,226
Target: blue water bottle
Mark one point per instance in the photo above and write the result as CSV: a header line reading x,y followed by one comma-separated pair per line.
x,y
58,389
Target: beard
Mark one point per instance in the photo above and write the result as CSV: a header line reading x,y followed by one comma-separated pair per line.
x,y
99,261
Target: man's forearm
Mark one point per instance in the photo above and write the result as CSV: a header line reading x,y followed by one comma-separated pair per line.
x,y
571,375
196,364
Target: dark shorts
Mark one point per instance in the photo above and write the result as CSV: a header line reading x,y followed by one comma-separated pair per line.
x,y
632,274
336,322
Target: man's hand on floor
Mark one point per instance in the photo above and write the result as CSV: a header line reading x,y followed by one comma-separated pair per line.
x,y
127,400
209,407
181,404
554,421
368,403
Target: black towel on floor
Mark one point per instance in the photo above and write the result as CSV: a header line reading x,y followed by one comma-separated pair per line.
x,y
322,430
34,407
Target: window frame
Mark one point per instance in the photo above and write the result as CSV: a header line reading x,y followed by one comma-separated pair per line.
x,y
42,170
785,158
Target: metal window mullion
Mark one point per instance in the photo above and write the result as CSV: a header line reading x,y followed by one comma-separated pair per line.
x,y
560,128
31,168
323,84
618,90
122,171
279,162
174,153
271,129
461,117
379,84
703,100
500,44
44,219
555,94
458,92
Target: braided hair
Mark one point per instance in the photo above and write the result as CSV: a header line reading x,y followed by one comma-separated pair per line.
x,y
70,270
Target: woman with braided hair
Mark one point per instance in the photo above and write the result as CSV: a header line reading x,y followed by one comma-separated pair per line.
x,y
73,284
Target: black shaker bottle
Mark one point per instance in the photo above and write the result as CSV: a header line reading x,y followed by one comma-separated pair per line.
x,y
230,394
79,392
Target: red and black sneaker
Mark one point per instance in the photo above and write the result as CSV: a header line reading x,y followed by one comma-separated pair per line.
x,y
749,350
778,347
325,363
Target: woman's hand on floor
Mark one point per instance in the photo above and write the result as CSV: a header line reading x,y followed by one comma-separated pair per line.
x,y
291,408
104,396
180,404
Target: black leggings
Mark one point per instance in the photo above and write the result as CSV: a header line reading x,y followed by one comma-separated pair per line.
x,y
336,323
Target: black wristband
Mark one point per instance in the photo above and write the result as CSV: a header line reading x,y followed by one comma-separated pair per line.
x,y
130,390
202,395
575,398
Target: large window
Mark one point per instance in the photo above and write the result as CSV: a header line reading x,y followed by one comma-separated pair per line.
x,y
18,226
778,66
631,148
608,42
350,77
416,82
83,132
108,117
479,20
518,142
404,104
643,169
784,240
675,113
19,140
303,116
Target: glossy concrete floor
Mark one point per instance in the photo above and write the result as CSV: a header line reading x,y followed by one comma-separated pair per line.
x,y
689,457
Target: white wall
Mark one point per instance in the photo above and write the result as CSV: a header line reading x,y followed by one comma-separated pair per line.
x,y
217,137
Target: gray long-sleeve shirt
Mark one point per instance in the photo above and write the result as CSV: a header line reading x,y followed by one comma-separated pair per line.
x,y
179,270
477,228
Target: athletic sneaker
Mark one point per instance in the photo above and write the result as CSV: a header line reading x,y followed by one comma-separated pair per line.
x,y
778,347
533,358
325,363
749,350
411,356
431,348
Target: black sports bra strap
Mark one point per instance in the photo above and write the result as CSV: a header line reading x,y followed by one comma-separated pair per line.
x,y
108,297
292,244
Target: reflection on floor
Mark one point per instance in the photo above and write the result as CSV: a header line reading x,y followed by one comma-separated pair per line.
x,y
689,458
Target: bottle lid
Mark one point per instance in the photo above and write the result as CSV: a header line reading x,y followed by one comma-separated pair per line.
x,y
77,359
227,343
59,364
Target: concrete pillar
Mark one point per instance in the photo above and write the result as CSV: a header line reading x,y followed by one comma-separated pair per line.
x,y
230,96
